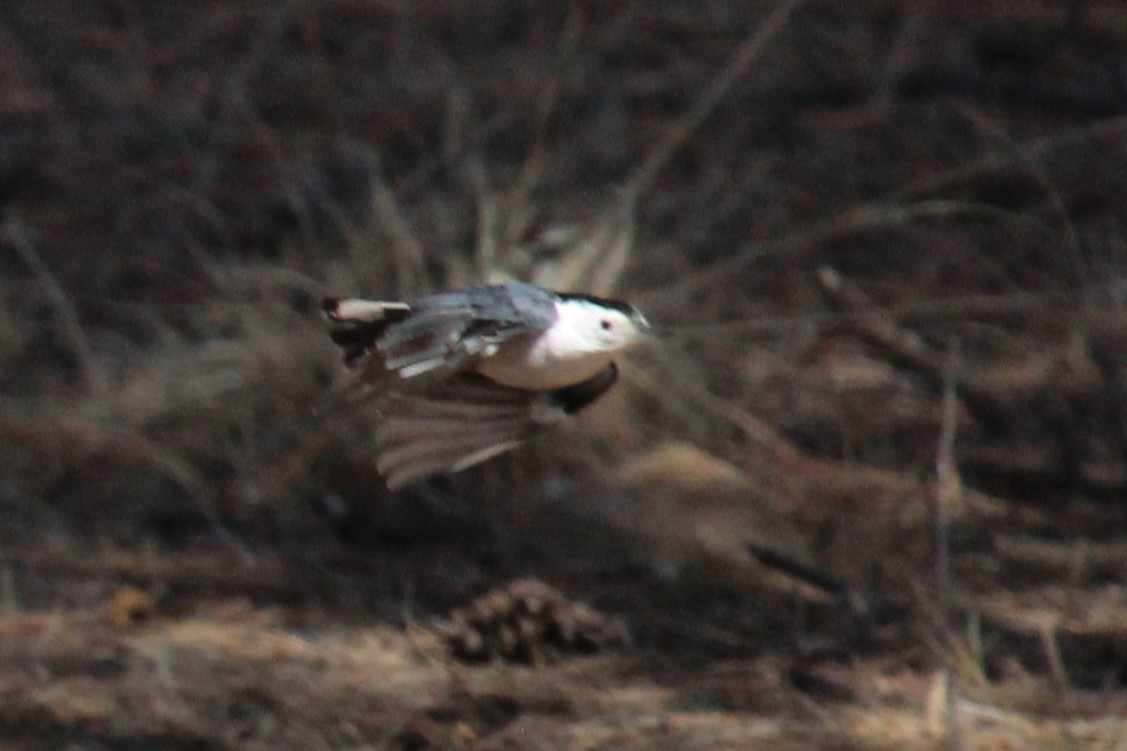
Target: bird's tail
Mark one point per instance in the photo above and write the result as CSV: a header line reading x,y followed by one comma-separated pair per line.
x,y
359,324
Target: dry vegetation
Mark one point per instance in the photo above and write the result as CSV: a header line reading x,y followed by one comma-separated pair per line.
x,y
871,496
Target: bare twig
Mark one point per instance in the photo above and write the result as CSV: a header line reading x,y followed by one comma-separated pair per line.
x,y
1077,561
474,175
948,491
695,397
796,245
517,198
1035,165
909,350
1025,307
598,261
1040,148
878,327
685,126
16,236
489,219
409,255
1052,654
76,437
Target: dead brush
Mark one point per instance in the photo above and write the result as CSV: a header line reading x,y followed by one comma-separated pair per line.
x,y
212,416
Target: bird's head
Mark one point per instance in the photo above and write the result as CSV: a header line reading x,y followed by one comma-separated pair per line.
x,y
603,325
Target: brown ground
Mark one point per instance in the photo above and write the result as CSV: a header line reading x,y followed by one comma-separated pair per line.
x,y
870,496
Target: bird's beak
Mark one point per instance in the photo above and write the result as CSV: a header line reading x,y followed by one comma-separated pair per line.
x,y
646,330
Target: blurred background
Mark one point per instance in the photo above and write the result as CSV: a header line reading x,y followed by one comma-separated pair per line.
x,y
870,495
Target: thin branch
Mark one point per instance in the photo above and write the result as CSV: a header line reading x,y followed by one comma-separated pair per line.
x,y
696,398
531,172
948,492
1013,306
684,128
410,258
1040,173
600,259
855,221
15,235
908,350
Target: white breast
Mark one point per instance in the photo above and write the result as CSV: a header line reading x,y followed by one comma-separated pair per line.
x,y
565,354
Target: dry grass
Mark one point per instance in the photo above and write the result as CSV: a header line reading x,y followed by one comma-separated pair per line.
x,y
820,199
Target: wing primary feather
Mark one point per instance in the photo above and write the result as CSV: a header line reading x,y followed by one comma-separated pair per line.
x,y
451,427
419,460
406,473
423,439
440,452
458,423
399,432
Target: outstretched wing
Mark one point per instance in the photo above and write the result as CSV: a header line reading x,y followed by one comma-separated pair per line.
x,y
446,333
468,419
437,335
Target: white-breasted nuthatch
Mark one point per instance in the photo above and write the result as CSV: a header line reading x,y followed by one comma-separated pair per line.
x,y
460,377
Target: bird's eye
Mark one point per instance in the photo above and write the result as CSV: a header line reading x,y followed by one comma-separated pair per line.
x,y
606,324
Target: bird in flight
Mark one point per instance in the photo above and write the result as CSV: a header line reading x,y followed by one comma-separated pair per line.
x,y
460,377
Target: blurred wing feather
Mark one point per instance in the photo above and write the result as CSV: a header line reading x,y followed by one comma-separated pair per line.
x,y
464,421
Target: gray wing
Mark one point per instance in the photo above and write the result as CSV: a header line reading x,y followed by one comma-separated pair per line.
x,y
395,345
446,332
466,420
436,335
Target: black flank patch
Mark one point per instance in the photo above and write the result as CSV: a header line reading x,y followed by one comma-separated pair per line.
x,y
571,399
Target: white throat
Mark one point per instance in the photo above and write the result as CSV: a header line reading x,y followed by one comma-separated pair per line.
x,y
569,352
